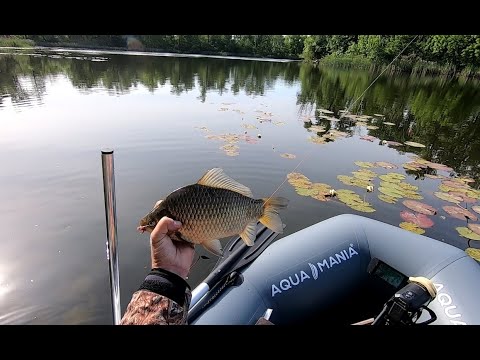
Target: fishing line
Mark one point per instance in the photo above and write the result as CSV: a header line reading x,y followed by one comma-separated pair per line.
x,y
347,111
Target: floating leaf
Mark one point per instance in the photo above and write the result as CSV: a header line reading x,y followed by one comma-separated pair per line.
x,y
368,138
361,123
476,209
414,144
408,187
299,180
389,123
278,123
364,164
364,174
249,126
230,149
317,139
445,188
386,165
475,228
387,199
393,176
431,176
459,213
305,192
473,253
420,220
288,156
474,193
464,197
354,201
455,184
372,127
465,180
317,128
437,166
379,115
467,233
353,181
325,111
419,207
448,197
411,227
393,143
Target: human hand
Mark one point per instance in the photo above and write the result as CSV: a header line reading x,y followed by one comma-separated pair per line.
x,y
174,256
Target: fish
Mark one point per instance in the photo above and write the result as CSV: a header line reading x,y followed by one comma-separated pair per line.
x,y
215,207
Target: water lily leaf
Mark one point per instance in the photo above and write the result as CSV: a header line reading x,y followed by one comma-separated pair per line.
x,y
464,197
394,175
473,253
414,144
364,174
390,192
317,139
437,166
420,220
317,128
459,213
250,140
419,207
387,199
431,176
389,123
278,123
354,201
353,181
455,184
393,143
368,138
305,192
412,227
475,228
325,111
288,156
372,127
230,149
474,193
476,209
445,188
364,164
379,115
408,187
448,197
299,180
249,126
385,165
463,179
467,233
361,123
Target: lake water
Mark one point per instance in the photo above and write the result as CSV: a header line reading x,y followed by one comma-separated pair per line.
x,y
59,108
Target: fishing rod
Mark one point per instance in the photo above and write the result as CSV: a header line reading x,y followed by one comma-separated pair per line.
x,y
347,111
111,222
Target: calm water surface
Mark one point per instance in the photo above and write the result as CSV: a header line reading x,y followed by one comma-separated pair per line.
x,y
59,108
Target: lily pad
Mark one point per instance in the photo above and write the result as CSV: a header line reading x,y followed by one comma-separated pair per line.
x,y
437,166
230,149
459,213
305,192
364,164
412,227
389,123
299,180
387,199
475,228
473,253
385,165
420,207
467,233
354,181
448,197
393,143
368,138
372,127
316,128
249,126
354,201
390,192
414,144
455,184
420,220
476,209
278,123
465,180
431,176
325,111
464,197
379,115
288,156
394,175
364,174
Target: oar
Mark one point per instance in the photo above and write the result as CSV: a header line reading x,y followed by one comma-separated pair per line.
x,y
236,255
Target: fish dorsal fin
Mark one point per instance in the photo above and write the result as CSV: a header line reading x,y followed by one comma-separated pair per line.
x,y
218,179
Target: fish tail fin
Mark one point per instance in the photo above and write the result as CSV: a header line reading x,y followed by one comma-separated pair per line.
x,y
270,217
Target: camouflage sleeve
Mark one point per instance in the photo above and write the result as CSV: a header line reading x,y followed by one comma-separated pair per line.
x,y
163,299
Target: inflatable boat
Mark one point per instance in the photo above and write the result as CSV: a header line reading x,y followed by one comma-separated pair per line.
x,y
345,270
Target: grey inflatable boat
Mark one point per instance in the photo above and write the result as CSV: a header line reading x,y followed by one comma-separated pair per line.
x,y
343,270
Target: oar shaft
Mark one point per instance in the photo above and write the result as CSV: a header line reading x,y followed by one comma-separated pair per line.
x,y
111,222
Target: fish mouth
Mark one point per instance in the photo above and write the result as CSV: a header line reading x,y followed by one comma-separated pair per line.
x,y
144,228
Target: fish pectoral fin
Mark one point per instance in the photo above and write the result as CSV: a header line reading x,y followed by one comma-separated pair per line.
x,y
214,246
250,233
218,179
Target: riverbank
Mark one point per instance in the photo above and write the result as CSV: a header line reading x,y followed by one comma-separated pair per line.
x,y
404,64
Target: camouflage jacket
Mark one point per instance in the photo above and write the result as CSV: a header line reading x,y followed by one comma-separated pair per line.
x,y
162,299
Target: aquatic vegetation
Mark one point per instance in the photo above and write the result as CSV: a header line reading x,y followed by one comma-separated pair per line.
x,y
386,165
475,228
368,138
420,220
249,126
278,123
476,209
459,213
354,201
379,115
388,123
420,207
325,111
393,143
372,127
414,144
448,197
288,156
364,164
354,181
387,199
317,128
304,187
412,227
432,176
473,253
467,233
364,174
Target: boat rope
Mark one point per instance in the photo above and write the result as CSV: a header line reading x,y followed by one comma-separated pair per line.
x,y
343,114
